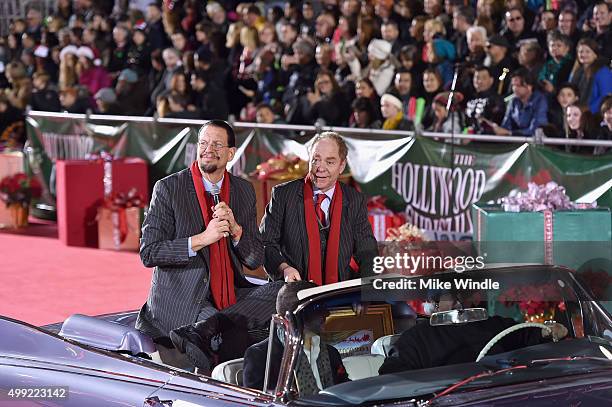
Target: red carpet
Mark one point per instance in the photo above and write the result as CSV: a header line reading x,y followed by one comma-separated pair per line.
x,y
43,281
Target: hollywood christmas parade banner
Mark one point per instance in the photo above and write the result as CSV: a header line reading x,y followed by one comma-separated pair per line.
x,y
433,182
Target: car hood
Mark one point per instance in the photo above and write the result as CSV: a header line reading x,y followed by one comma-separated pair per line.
x,y
26,345
587,390
410,384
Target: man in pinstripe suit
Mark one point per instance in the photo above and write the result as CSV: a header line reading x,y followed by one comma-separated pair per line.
x,y
314,228
198,246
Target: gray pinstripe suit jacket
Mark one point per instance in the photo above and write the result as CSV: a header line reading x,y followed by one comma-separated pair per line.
x,y
180,284
285,239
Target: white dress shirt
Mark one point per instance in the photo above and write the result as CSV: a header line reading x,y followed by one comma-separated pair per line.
x,y
312,355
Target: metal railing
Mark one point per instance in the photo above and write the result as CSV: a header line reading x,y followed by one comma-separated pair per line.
x,y
539,139
9,10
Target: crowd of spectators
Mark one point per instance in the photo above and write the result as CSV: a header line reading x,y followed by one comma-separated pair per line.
x,y
520,64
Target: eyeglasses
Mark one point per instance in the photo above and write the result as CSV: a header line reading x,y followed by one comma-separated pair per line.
x,y
216,146
513,19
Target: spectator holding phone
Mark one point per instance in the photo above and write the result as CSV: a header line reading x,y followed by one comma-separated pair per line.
x,y
327,102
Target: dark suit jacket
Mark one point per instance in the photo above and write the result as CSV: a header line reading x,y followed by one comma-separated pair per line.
x,y
285,239
424,346
180,283
254,364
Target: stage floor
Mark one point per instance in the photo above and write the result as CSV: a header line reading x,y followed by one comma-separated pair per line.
x,y
43,281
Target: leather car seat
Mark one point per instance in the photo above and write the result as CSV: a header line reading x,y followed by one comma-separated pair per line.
x,y
229,372
362,366
384,344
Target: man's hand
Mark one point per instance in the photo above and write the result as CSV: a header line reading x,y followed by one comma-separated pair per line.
x,y
216,230
224,212
548,86
556,330
587,25
289,273
349,55
497,129
313,97
288,60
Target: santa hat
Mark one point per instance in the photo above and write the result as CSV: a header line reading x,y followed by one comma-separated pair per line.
x,y
442,99
68,49
85,52
140,25
41,51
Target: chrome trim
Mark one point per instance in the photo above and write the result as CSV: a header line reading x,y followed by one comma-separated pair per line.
x,y
275,318
291,352
589,302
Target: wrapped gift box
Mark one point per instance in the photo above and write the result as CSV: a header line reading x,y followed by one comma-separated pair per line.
x,y
119,229
263,191
10,164
567,237
381,223
80,192
382,218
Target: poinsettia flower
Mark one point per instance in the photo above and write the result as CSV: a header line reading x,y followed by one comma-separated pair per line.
x,y
19,188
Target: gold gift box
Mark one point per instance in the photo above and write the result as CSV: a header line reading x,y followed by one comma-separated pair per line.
x,y
10,164
109,232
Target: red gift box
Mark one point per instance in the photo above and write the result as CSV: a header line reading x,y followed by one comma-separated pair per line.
x,y
381,218
380,224
80,191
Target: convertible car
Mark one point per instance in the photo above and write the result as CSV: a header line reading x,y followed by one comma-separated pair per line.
x,y
104,361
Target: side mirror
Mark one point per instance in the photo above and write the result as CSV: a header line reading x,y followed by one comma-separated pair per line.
x,y
458,316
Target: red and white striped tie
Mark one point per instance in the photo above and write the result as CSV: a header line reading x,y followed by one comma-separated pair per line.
x,y
319,210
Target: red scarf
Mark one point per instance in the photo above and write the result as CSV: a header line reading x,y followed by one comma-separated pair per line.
x,y
221,272
314,239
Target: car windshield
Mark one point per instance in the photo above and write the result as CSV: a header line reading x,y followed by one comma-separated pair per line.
x,y
382,339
